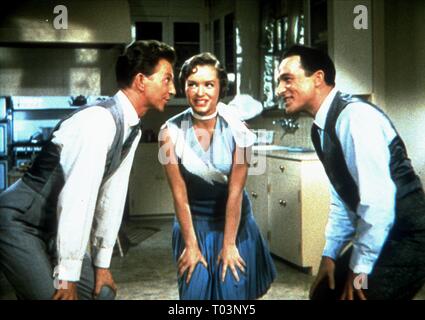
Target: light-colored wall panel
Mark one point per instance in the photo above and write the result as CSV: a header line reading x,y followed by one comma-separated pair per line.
x,y
350,48
57,71
405,80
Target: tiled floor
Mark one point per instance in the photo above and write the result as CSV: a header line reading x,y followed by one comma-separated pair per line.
x,y
147,272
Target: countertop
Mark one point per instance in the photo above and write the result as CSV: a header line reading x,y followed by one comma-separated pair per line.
x,y
282,154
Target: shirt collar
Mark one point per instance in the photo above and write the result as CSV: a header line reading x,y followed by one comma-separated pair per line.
x,y
129,113
321,115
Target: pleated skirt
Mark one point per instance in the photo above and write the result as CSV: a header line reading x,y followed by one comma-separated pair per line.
x,y
206,283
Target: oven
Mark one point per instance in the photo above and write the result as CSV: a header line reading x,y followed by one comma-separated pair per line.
x,y
28,120
3,139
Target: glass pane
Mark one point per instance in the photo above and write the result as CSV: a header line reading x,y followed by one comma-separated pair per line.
x,y
319,21
229,46
149,31
217,40
186,44
186,32
217,30
184,52
229,42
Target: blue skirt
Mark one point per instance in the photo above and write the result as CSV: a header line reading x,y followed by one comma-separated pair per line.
x,y
206,283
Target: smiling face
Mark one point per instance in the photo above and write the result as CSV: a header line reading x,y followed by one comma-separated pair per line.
x,y
159,87
202,89
294,86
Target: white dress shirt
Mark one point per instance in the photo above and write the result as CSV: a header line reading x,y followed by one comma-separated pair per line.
x,y
364,134
86,209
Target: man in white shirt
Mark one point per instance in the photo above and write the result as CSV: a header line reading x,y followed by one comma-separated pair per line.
x,y
376,228
75,191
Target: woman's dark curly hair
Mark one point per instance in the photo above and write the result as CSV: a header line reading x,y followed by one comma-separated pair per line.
x,y
203,59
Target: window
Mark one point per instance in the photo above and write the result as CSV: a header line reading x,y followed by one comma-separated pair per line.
x,y
148,31
224,42
184,36
186,43
229,48
217,38
280,31
318,24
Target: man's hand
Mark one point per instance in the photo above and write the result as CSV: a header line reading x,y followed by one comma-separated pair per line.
x,y
326,270
103,278
67,291
350,292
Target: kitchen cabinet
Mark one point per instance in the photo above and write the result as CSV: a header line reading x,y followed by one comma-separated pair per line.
x,y
256,186
298,208
149,193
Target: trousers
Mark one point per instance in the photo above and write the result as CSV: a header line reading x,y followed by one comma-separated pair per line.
x,y
399,272
27,259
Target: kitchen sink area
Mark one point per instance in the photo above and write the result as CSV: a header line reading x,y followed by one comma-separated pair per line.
x,y
281,148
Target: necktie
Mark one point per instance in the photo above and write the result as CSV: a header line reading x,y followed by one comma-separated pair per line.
x,y
315,137
134,130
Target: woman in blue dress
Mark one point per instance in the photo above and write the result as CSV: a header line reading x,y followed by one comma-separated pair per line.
x,y
217,245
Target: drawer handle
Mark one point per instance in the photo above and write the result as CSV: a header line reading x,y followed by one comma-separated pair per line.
x,y
282,203
282,168
254,164
254,194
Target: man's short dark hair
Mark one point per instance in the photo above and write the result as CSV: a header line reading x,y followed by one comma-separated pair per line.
x,y
204,59
312,60
141,57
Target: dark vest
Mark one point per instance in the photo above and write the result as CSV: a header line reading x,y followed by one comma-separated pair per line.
x,y
36,193
332,157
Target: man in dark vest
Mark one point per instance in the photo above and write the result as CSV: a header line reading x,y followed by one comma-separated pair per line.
x,y
74,193
375,236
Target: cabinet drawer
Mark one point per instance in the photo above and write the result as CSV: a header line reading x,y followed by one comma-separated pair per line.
x,y
284,167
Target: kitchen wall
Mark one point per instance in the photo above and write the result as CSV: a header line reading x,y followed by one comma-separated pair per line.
x,y
40,70
398,66
404,74
39,58
299,138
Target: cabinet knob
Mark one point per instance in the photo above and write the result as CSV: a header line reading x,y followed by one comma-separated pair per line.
x,y
282,203
254,194
282,168
254,163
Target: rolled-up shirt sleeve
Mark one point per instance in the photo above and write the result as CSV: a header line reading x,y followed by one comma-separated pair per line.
x,y
84,141
365,135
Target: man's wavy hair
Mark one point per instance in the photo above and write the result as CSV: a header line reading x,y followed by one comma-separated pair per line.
x,y
312,60
141,57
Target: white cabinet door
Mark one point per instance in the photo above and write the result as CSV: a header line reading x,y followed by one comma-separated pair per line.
x,y
285,209
298,210
256,186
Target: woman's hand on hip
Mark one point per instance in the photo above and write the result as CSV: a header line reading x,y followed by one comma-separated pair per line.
x,y
188,260
230,258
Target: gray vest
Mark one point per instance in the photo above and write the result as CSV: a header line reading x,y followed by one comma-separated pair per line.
x,y
35,195
332,157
